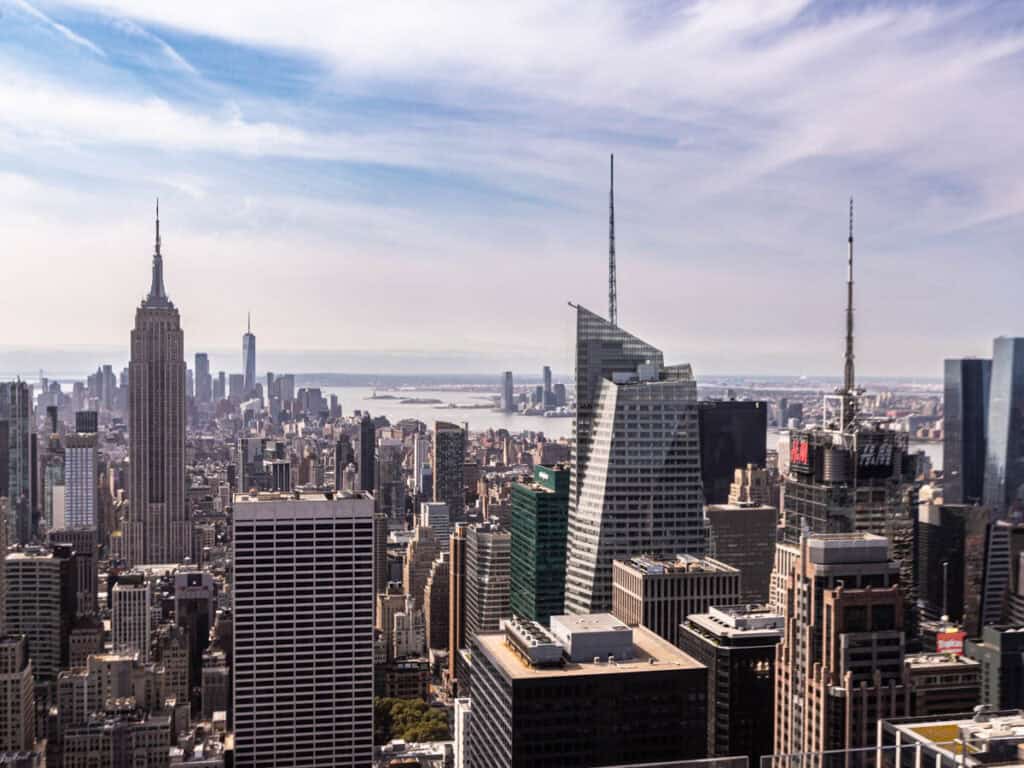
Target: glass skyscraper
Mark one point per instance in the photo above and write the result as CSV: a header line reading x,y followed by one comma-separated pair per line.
x,y
965,423
1004,463
635,486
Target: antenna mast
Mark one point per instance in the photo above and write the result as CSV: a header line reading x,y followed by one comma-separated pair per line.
x,y
613,313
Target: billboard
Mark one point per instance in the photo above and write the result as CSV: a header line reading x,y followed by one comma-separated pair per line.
x,y
950,642
875,459
799,454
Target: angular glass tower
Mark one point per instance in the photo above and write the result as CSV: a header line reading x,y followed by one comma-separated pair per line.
x,y
635,485
1004,463
965,420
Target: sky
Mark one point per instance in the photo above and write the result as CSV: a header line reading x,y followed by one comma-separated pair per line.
x,y
395,180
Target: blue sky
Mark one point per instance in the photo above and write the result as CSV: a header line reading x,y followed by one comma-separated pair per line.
x,y
433,177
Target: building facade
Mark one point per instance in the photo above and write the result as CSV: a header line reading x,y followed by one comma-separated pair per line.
x,y
1004,462
964,429
487,578
448,460
733,434
637,440
540,516
631,698
743,535
737,644
660,593
303,636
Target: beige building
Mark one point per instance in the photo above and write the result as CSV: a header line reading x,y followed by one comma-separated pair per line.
x,y
840,665
660,593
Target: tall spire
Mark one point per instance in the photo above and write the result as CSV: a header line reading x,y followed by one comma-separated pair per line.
x,y
613,309
248,322
848,377
157,294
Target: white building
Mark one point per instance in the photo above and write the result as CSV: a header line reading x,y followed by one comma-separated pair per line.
x,y
303,629
131,616
79,482
434,515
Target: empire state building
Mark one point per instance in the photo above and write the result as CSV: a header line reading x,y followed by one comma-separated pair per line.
x,y
157,529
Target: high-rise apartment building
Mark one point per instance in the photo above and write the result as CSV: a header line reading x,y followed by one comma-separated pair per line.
x,y
660,593
635,485
540,515
249,358
840,665
743,535
157,529
81,472
303,631
486,578
590,691
508,404
448,460
964,428
131,616
1004,464
737,644
549,394
733,434
204,381
17,473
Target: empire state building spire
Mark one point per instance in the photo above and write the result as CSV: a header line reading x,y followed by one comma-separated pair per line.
x,y
157,293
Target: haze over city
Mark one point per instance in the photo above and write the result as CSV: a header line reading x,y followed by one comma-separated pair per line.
x,y
341,169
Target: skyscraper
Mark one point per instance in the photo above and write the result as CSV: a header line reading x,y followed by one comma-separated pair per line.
x,y
487,578
1004,464
157,529
839,667
635,485
204,382
732,435
549,395
367,453
17,431
249,357
303,655
507,397
131,617
965,423
449,468
540,512
80,476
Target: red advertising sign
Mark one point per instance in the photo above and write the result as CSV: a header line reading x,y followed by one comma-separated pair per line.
x,y
799,454
950,642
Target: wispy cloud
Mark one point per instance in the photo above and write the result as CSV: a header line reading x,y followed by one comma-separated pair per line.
x,y
398,145
68,34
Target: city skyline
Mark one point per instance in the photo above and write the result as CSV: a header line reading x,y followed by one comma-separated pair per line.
x,y
395,172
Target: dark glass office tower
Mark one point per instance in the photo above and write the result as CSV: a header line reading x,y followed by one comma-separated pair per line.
x,y
1004,465
733,433
965,426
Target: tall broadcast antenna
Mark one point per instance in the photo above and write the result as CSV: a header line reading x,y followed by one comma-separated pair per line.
x,y
613,310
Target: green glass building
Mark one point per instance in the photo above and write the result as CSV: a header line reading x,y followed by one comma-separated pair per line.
x,y
540,515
